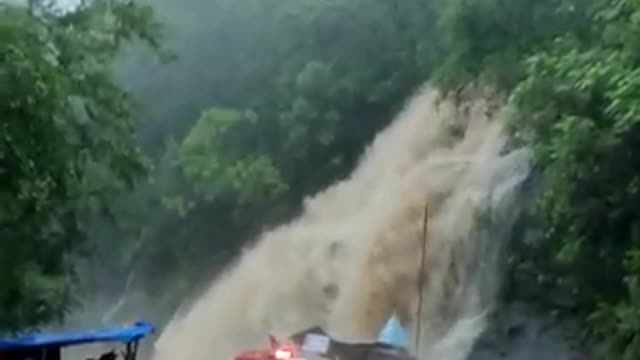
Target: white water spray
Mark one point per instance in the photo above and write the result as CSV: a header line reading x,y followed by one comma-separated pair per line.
x,y
352,258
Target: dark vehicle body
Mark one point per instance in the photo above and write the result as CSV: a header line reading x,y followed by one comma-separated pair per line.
x,y
340,350
315,344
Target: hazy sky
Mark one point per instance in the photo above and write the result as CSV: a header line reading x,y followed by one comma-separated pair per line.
x,y
62,4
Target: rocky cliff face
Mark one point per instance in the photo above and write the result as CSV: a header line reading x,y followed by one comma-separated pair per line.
x,y
521,331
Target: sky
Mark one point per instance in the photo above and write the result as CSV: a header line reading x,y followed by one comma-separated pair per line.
x,y
61,4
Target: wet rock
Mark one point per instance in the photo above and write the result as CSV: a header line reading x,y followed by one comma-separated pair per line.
x,y
521,332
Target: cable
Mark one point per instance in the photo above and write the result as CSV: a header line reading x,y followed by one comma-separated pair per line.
x,y
421,275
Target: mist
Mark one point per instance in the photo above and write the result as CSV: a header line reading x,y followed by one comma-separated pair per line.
x,y
253,55
352,258
226,169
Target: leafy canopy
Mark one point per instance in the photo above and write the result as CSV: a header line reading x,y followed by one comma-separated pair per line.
x,y
66,143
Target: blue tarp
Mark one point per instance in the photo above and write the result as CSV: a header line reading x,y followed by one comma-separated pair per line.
x,y
120,334
394,334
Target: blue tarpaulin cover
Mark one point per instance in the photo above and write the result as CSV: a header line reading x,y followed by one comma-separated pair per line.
x,y
393,333
122,334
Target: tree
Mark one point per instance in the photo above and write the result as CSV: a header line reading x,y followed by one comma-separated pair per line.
x,y
572,76
277,100
579,101
66,143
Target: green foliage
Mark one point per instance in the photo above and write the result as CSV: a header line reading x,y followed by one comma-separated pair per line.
x,y
579,114
215,161
268,102
271,100
66,144
488,40
575,82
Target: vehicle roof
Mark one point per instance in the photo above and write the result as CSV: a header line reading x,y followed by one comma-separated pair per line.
x,y
121,334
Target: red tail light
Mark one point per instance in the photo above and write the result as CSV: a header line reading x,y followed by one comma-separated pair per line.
x,y
284,354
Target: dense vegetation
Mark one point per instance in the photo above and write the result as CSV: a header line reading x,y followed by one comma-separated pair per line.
x,y
66,145
572,72
270,100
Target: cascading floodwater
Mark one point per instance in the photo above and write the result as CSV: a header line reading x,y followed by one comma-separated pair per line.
x,y
351,259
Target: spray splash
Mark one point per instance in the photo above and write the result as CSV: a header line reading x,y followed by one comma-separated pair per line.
x,y
352,258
